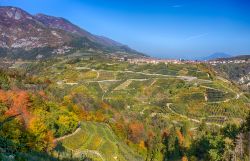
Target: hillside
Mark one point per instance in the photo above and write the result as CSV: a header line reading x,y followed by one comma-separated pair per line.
x,y
63,24
69,94
34,37
140,111
98,141
239,57
238,73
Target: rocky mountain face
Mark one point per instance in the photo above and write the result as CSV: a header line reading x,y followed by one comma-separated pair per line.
x,y
245,80
21,30
236,72
23,35
63,24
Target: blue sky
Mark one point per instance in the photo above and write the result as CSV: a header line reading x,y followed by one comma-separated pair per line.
x,y
160,28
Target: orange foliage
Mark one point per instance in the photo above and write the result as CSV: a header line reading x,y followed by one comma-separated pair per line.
x,y
180,137
47,81
50,140
99,116
190,133
81,113
89,116
18,103
119,126
184,158
105,106
43,94
165,133
150,135
136,131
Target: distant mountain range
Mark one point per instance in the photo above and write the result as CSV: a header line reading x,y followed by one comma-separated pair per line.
x,y
216,56
239,57
27,36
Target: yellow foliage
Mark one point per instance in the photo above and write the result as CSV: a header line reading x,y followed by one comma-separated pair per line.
x,y
67,99
82,114
63,119
184,158
36,126
142,144
42,138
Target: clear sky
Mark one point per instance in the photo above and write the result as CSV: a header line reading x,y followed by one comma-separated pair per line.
x,y
161,28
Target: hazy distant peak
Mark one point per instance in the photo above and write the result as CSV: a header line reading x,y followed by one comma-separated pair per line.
x,y
217,56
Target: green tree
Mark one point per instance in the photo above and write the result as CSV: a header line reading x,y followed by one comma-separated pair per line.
x,y
4,81
231,131
173,148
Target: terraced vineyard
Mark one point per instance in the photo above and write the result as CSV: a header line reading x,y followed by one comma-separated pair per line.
x,y
160,96
97,141
190,88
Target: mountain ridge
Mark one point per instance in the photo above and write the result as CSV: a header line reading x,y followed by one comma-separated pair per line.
x,y
238,57
39,36
64,24
216,56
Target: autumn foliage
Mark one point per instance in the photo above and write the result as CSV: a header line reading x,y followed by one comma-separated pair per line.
x,y
43,94
180,137
43,137
18,103
184,158
136,131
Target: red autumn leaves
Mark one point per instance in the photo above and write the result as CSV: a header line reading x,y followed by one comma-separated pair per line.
x,y
17,102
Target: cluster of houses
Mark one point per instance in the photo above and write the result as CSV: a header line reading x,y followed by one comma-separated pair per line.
x,y
154,61
149,60
146,60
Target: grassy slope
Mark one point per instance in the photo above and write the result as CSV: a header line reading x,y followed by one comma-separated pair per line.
x,y
97,141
